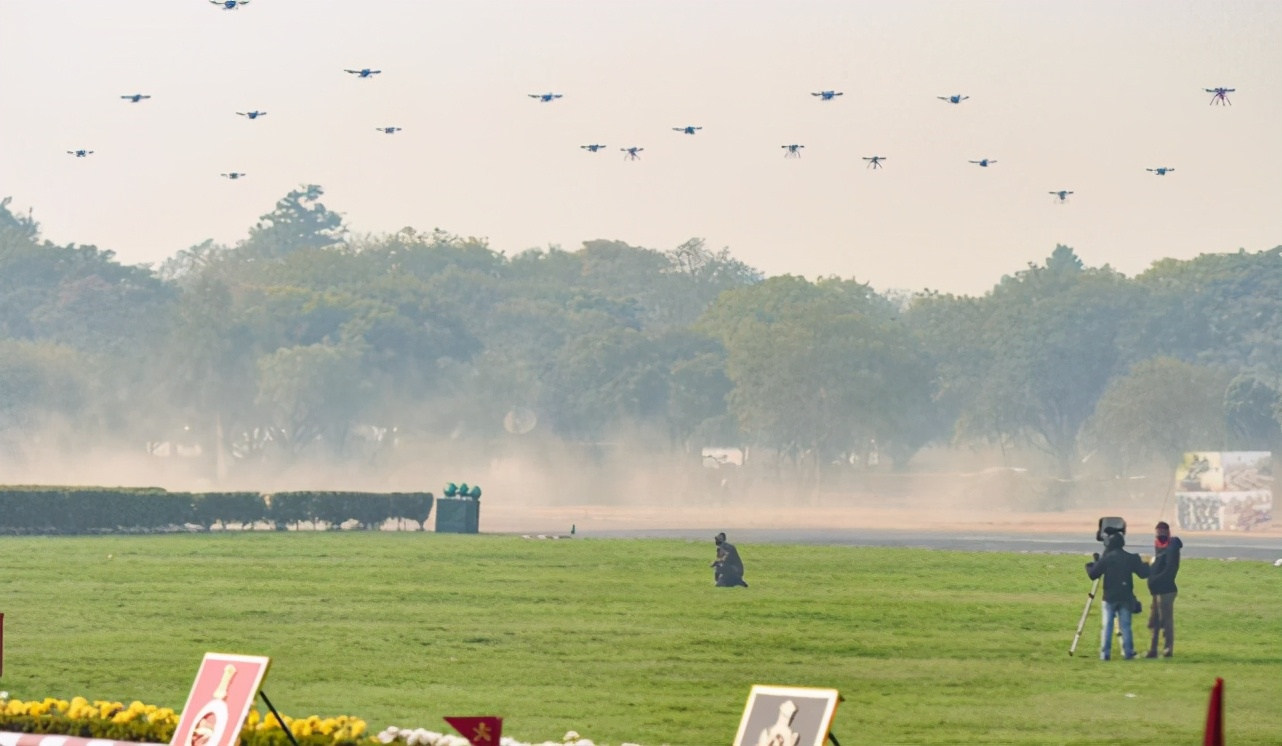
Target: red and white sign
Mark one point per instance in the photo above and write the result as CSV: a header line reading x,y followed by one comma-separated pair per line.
x,y
8,738
479,731
220,699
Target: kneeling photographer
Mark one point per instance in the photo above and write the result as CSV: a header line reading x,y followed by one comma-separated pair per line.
x,y
1117,566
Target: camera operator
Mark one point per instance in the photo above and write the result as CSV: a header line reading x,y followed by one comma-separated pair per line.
x,y
727,568
1161,583
1117,565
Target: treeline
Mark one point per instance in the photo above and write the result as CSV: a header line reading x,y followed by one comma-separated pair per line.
x,y
81,510
305,339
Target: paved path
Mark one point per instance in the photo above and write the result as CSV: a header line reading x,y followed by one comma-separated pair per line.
x,y
927,527
1225,545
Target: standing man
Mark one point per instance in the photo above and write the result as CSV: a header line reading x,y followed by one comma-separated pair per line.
x,y
1161,583
727,568
1117,565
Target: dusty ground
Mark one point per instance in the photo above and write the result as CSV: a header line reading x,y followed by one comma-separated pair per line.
x,y
587,518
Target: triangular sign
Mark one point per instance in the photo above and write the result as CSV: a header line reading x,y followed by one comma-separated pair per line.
x,y
479,731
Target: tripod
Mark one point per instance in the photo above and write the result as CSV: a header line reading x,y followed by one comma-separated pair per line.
x,y
1082,622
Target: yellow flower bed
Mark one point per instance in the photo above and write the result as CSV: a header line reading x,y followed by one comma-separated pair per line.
x,y
341,729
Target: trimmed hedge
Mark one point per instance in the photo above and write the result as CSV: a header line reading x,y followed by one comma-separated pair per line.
x,y
98,510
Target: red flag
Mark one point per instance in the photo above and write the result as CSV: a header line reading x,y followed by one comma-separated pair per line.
x,y
1214,735
479,731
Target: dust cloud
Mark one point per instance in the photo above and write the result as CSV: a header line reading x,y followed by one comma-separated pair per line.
x,y
536,483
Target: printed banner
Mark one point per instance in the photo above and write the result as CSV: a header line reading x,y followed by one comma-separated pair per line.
x,y
787,716
1219,491
220,699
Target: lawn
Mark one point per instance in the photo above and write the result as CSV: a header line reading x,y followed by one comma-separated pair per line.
x,y
627,640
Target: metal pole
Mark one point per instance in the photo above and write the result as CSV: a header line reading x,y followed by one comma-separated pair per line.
x,y
279,719
1082,622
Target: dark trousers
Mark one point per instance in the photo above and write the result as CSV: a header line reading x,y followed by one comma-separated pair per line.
x,y
1161,619
730,577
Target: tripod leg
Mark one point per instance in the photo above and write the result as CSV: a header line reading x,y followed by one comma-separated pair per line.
x,y
1082,622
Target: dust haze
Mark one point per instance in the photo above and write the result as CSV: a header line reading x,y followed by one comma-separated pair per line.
x,y
537,483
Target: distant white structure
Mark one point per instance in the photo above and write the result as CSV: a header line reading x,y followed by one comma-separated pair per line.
x,y
715,458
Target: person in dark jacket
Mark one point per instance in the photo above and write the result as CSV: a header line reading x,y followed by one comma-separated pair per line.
x,y
727,568
1117,565
1161,584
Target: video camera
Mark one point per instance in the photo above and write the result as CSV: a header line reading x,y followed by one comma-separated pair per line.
x,y
1108,526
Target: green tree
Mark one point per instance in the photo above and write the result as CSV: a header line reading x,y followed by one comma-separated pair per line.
x,y
1252,408
1159,410
299,221
599,380
1051,340
1221,309
41,382
206,371
310,395
821,369
16,229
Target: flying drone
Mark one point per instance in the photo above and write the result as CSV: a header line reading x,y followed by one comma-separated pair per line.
x,y
364,72
134,98
826,95
874,161
956,98
1160,171
80,153
1221,96
252,114
545,97
592,148
792,151
229,4
689,129
233,175
984,162
388,130
1061,195
631,154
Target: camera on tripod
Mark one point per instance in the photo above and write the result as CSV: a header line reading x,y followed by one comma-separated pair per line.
x,y
1108,526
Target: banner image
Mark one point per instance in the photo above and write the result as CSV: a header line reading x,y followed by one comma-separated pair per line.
x,y
787,716
220,699
1224,490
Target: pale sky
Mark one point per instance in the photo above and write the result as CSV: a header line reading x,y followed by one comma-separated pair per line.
x,y
1074,95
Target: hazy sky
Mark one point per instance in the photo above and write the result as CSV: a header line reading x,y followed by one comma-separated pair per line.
x,y
1077,95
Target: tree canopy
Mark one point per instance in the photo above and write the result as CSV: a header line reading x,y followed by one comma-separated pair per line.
x,y
305,339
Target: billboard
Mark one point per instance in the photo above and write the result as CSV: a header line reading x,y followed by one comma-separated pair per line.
x,y
1224,490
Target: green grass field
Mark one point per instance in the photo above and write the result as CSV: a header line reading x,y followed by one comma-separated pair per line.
x,y
626,640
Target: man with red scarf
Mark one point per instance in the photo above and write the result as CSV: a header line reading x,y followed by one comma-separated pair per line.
x,y
1161,583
